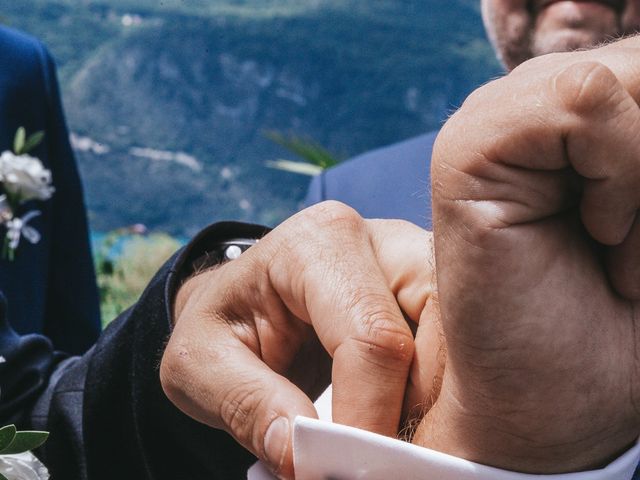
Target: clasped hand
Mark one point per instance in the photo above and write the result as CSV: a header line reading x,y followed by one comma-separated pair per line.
x,y
320,299
536,187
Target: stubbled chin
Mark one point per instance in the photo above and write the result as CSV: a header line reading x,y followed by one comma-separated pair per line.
x,y
567,40
566,26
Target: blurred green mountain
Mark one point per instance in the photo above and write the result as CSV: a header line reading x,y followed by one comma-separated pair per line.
x,y
169,101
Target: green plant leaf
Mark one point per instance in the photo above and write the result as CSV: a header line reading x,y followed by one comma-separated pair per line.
x,y
303,168
18,141
33,141
25,441
308,150
7,435
2,477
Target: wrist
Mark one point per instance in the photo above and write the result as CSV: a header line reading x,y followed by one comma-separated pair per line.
x,y
199,271
186,291
518,442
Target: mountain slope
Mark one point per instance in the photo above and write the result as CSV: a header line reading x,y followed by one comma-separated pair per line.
x,y
177,99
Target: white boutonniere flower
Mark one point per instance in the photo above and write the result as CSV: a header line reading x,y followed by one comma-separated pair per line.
x,y
22,178
16,460
22,466
25,177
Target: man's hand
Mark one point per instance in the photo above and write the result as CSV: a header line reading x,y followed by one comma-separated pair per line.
x,y
244,355
536,186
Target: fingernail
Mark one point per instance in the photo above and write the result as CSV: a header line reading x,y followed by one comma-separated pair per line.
x,y
276,441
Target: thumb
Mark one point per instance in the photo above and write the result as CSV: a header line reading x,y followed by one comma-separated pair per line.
x,y
237,393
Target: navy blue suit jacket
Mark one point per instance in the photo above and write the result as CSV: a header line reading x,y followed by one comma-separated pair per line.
x,y
390,182
50,286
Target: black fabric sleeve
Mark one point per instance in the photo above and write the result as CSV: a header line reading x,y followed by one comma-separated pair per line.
x,y
106,410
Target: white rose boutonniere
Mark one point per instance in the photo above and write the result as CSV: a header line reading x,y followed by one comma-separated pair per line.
x,y
25,177
22,178
22,466
16,461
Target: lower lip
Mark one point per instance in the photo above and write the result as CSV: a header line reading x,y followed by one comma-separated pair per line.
x,y
588,7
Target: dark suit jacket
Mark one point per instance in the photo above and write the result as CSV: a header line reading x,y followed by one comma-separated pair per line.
x,y
50,286
106,411
390,182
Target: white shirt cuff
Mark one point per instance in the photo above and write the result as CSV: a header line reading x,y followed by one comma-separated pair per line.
x,y
326,450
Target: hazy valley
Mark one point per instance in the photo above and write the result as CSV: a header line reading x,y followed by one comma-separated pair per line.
x,y
169,101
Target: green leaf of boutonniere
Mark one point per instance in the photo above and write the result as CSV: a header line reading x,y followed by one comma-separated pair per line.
x,y
24,441
32,141
18,141
7,434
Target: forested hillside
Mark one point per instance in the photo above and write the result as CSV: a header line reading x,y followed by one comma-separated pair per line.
x,y
169,101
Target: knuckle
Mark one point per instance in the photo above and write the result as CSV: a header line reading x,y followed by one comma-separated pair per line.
x,y
479,97
173,368
471,115
441,150
239,408
543,63
585,87
320,232
383,228
382,338
446,162
333,214
314,229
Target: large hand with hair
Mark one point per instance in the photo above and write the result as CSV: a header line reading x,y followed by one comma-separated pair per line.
x,y
249,345
536,184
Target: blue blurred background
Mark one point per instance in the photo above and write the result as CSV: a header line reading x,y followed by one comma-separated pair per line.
x,y
168,101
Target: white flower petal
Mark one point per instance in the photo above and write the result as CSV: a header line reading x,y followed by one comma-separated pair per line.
x,y
24,466
31,234
25,175
6,213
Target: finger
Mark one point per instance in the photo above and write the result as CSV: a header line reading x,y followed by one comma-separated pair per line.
x,y
603,145
427,369
582,117
623,260
576,110
343,294
408,263
405,255
622,58
516,174
612,92
225,385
